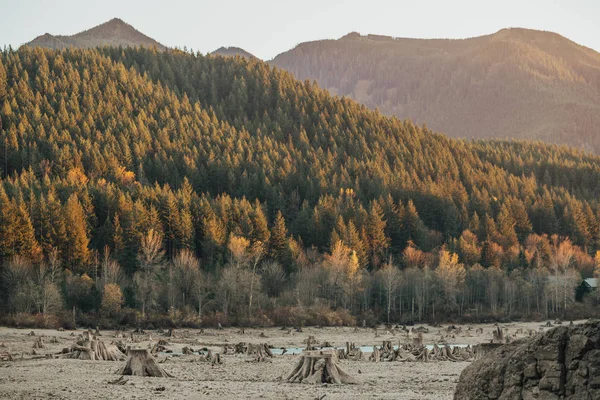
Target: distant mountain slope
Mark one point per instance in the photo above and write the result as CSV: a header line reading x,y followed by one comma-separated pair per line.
x,y
516,83
112,33
232,52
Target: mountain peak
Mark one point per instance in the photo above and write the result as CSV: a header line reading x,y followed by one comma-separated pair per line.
x,y
232,52
115,32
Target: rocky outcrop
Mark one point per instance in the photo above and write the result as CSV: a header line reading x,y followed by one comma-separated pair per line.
x,y
563,363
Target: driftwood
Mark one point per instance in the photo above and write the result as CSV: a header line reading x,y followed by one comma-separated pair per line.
x,y
141,363
318,367
120,381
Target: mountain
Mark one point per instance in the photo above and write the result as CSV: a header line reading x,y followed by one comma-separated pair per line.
x,y
112,33
232,52
516,83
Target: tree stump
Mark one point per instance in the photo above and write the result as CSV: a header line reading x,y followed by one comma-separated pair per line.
x,y
423,355
141,363
418,340
319,366
375,355
95,350
82,350
309,343
260,352
214,358
498,336
38,343
5,356
158,348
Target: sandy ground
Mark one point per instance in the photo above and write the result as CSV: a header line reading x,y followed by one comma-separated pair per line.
x,y
237,377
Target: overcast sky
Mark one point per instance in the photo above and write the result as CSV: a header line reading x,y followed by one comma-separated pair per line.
x,y
269,27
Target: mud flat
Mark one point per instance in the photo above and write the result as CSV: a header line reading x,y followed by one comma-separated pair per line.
x,y
31,376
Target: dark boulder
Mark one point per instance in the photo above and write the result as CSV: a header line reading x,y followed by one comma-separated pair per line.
x,y
563,363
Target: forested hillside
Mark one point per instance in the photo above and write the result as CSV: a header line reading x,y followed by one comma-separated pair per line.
x,y
516,83
176,184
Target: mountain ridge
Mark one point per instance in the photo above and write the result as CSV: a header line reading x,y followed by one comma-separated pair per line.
x,y
516,83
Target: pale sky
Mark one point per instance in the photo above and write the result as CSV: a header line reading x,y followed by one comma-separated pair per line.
x,y
269,27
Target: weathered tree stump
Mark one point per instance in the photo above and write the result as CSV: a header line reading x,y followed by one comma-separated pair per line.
x,y
418,340
5,356
498,336
82,350
259,352
38,343
214,358
141,363
319,366
309,343
423,355
95,350
158,348
375,355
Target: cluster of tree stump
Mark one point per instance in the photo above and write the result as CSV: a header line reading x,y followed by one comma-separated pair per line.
x,y
319,366
412,353
447,353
